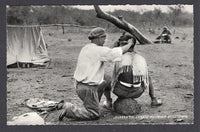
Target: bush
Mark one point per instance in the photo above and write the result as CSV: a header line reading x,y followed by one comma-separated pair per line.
x,y
68,15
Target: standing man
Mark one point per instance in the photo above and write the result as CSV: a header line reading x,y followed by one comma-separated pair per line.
x,y
89,77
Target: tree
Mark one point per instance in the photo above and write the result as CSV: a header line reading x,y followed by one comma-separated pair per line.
x,y
122,24
175,12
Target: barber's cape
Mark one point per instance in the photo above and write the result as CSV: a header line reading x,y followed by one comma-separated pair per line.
x,y
42,104
139,67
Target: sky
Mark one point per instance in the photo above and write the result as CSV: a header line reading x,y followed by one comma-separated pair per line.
x,y
139,8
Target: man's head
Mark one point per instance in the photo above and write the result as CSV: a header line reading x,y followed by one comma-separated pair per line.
x,y
123,40
165,28
97,36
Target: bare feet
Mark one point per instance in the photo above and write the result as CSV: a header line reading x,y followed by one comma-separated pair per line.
x,y
156,102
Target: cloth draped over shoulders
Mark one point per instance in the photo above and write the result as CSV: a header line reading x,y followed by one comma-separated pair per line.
x,y
138,64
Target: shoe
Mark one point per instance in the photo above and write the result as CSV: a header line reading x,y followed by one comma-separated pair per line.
x,y
108,104
65,106
60,105
62,115
156,102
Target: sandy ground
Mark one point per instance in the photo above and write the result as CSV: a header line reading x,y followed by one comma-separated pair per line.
x,y
170,66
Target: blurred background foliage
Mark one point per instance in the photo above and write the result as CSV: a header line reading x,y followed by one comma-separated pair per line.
x,y
39,15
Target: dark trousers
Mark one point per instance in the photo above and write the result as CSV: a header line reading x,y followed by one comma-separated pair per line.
x,y
90,96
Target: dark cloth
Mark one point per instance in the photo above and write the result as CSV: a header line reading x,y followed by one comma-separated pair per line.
x,y
127,77
165,36
127,92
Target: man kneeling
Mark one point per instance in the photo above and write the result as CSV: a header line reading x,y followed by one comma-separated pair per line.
x,y
90,82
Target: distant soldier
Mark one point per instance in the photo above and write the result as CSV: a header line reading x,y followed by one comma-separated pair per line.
x,y
164,37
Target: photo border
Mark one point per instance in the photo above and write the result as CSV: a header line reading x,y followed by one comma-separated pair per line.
x,y
91,128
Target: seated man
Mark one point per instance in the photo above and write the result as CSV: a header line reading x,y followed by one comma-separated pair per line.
x,y
164,37
130,75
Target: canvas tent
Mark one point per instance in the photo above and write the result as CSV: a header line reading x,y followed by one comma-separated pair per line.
x,y
26,45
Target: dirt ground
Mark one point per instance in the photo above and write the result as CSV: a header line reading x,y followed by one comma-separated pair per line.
x,y
170,66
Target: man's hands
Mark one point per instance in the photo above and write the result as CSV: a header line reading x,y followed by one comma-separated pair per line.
x,y
125,42
125,39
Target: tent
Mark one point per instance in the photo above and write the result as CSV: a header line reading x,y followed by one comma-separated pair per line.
x,y
26,47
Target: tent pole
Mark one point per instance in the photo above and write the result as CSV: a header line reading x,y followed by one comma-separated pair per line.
x,y
17,63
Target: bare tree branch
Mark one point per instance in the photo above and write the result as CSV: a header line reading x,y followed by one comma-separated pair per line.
x,y
121,23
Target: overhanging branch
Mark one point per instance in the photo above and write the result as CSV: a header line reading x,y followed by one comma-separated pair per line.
x,y
122,24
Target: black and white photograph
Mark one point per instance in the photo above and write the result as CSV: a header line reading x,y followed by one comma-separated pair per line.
x,y
100,64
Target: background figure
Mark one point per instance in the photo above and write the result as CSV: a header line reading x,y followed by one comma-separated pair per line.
x,y
164,37
130,75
